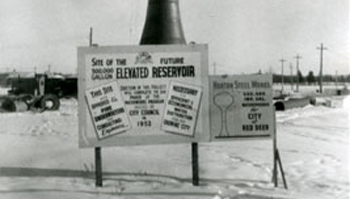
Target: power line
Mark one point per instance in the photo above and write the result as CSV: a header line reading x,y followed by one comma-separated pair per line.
x,y
338,55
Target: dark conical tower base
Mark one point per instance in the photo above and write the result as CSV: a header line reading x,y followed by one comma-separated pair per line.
x,y
163,23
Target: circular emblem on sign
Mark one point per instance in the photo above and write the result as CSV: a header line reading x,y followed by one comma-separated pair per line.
x,y
143,58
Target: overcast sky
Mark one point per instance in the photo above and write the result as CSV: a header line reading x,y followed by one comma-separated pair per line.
x,y
243,35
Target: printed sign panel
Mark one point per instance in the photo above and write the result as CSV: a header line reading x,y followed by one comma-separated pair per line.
x,y
107,110
146,77
241,107
181,108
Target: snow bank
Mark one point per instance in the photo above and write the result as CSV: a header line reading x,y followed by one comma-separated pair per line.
x,y
41,159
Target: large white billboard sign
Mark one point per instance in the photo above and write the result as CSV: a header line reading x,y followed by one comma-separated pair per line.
x,y
139,95
241,107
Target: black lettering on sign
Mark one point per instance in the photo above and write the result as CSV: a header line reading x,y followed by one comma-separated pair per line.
x,y
261,127
223,85
180,110
133,112
185,126
247,127
135,97
96,93
106,109
150,112
121,62
144,123
107,89
256,84
127,87
186,106
108,131
109,62
109,114
99,104
185,90
259,99
173,71
254,117
179,115
242,85
172,60
129,102
179,99
102,73
131,73
171,123
255,104
155,101
108,124
96,62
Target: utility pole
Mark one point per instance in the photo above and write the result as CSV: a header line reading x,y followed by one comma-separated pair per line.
x,y
214,66
336,80
291,75
90,37
130,35
297,58
322,48
282,81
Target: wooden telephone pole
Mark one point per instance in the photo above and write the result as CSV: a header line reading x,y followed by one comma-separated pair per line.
x,y
214,67
291,76
282,81
322,48
90,37
297,58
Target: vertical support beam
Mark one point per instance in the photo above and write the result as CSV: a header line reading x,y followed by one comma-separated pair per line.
x,y
277,160
195,165
98,167
275,172
281,168
98,157
274,148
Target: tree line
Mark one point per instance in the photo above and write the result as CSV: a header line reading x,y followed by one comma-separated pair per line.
x,y
310,78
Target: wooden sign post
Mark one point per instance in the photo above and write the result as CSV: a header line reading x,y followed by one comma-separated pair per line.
x,y
195,164
98,167
277,160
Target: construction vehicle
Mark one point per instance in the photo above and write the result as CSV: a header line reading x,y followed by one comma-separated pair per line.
x,y
36,93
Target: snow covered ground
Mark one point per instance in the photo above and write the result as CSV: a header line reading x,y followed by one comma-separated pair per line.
x,y
40,159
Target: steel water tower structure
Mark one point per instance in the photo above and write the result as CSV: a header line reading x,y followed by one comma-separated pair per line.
x,y
163,26
163,23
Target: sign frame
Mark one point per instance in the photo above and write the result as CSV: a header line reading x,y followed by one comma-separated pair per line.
x,y
239,137
202,133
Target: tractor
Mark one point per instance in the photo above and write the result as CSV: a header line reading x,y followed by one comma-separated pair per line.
x,y
36,93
